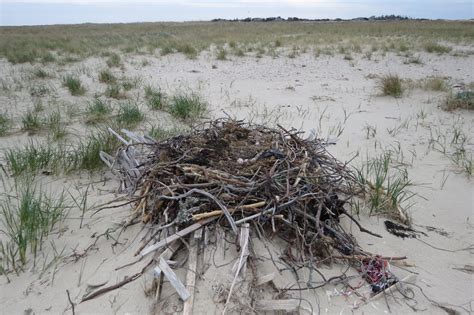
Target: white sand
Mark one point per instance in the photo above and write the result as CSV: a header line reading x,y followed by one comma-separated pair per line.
x,y
294,92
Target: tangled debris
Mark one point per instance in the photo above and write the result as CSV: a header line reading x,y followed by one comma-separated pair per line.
x,y
249,179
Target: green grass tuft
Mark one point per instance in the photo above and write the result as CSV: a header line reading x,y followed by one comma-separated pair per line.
x,y
221,54
391,85
155,98
55,126
106,76
74,85
27,218
114,60
97,110
129,115
433,47
5,124
31,121
187,105
115,91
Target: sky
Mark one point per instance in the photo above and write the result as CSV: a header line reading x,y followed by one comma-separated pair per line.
x,y
41,12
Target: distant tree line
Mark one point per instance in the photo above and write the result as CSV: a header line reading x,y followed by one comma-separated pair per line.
x,y
391,17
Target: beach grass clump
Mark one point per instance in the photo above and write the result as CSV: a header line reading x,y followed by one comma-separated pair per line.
x,y
433,47
129,114
88,151
74,85
106,76
55,125
187,105
155,98
188,50
97,110
5,124
115,91
221,54
31,121
114,60
386,187
434,84
33,157
391,85
28,217
459,100
160,133
40,73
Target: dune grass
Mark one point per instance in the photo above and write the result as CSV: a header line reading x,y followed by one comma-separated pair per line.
x,y
129,114
114,60
433,47
45,43
98,110
106,76
155,98
386,187
391,85
187,105
55,125
74,85
5,124
31,121
27,217
35,156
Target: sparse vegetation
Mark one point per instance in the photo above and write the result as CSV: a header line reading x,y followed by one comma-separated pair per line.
x,y
97,110
31,121
159,133
433,47
5,124
40,73
434,84
221,54
114,91
74,85
27,218
129,114
114,60
187,105
459,100
386,187
55,125
106,76
391,85
155,98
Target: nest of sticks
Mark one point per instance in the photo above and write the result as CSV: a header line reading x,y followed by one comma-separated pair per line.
x,y
229,172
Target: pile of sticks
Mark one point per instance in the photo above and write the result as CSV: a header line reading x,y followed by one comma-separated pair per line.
x,y
243,177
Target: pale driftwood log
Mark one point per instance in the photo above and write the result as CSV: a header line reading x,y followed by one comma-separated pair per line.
x,y
289,305
173,280
176,236
166,255
241,264
191,273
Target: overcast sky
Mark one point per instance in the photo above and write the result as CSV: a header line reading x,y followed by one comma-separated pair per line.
x,y
34,12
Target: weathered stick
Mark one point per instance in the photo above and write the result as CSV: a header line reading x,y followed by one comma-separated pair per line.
x,y
176,236
191,273
289,305
244,242
174,281
204,215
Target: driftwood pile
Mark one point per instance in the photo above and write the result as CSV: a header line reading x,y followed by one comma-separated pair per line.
x,y
249,179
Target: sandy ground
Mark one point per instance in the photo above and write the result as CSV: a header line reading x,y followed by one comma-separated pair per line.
x,y
325,94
